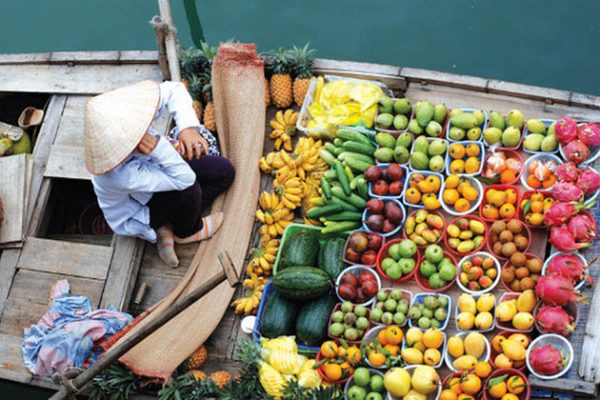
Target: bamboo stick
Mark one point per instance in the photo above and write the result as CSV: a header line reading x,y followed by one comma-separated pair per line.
x,y
169,40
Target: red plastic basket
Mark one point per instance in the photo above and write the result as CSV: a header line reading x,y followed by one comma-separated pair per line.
x,y
505,265
384,252
526,196
318,358
499,187
509,154
494,353
424,283
510,372
490,246
430,212
486,236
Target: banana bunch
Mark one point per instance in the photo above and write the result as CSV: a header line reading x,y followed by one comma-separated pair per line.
x,y
273,215
290,190
311,190
284,127
272,161
249,303
263,259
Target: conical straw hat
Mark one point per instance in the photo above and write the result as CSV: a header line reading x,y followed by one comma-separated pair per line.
x,y
115,122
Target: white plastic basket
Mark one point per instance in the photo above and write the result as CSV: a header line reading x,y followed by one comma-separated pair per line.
x,y
485,357
557,341
469,257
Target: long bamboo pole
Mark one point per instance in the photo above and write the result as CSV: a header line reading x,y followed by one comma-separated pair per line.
x,y
170,41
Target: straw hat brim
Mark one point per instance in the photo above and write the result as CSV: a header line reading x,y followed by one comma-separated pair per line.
x,y
115,122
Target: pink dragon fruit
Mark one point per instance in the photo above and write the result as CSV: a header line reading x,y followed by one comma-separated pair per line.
x,y
567,172
556,290
554,319
562,238
576,151
589,134
568,266
565,130
583,227
588,181
567,191
560,212
546,360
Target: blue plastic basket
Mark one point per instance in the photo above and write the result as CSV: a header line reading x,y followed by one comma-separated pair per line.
x,y
429,139
546,122
481,157
390,233
425,174
420,297
468,111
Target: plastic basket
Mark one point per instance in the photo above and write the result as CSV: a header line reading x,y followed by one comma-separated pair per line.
x,y
527,196
398,226
357,269
481,157
418,298
337,307
394,132
557,341
350,382
467,111
547,123
485,357
450,210
526,232
425,174
431,396
492,311
424,283
384,253
441,349
594,152
510,372
439,240
429,139
321,373
543,157
494,353
403,180
580,284
469,258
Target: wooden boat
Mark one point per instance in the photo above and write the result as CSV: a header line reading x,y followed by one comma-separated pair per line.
x,y
112,269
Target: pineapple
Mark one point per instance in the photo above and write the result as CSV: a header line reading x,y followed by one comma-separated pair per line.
x,y
303,61
195,89
197,359
220,378
267,94
210,122
197,374
281,81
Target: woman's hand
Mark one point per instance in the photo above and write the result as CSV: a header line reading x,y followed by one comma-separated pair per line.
x,y
147,144
192,144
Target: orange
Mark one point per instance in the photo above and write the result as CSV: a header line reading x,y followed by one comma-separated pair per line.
x,y
341,351
549,182
376,358
507,176
515,384
463,185
498,390
353,355
457,167
507,211
346,368
533,182
329,349
393,335
450,196
435,182
425,186
510,396
536,206
511,196
454,384
452,181
382,337
462,205
490,212
457,151
392,348
464,396
532,166
470,384
448,394
412,195
497,343
472,165
332,371
473,150
470,193
483,369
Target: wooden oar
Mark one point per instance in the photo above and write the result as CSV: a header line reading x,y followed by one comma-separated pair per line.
x,y
72,386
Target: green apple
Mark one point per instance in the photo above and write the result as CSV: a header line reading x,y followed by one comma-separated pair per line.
x,y
447,272
407,248
376,383
407,265
434,253
427,268
356,393
394,251
394,272
362,376
387,262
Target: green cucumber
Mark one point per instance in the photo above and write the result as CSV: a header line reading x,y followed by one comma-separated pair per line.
x,y
326,188
358,165
278,316
348,134
328,157
357,156
332,149
353,199
344,204
361,148
337,142
362,188
342,178
330,175
345,216
302,283
313,318
340,227
323,211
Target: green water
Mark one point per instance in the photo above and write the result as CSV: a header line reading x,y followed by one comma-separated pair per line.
x,y
551,43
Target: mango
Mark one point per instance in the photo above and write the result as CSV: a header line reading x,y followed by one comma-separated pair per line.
x,y
479,116
414,127
384,139
477,240
465,321
402,106
506,310
484,320
421,145
384,154
420,228
453,231
520,338
409,225
497,120
432,356
419,161
423,112
513,350
475,344
474,133
404,140
465,235
502,361
412,356
456,133
455,346
453,243
477,227
551,129
466,246
435,221
439,113
515,119
23,145
549,143
419,240
523,321
464,121
421,216
526,301
401,155
492,135
433,128
429,235
465,363
384,120
486,302
400,122
533,142
456,111
536,126
466,303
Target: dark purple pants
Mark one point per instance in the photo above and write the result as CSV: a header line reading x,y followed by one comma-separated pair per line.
x,y
183,208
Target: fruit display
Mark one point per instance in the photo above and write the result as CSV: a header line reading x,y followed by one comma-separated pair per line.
x,y
514,311
572,227
391,307
465,158
358,285
465,350
549,356
475,312
534,205
539,136
384,216
349,322
560,320
508,237
478,273
499,202
392,149
386,180
437,271
424,227
428,119
539,172
507,384
336,363
362,247
424,347
521,271
393,114
570,265
429,311
575,184
381,346
365,384
465,235
578,142
502,166
513,357
461,195
420,382
506,131
465,124
422,190
398,260
428,154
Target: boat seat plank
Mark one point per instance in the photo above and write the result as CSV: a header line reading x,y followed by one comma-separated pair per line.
x,y
11,361
12,192
75,259
19,315
67,161
70,129
8,266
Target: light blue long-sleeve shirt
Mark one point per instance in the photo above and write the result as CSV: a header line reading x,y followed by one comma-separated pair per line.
x,y
124,192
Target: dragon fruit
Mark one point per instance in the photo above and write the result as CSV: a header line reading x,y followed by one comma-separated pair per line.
x,y
588,181
567,172
583,227
557,290
562,238
565,130
546,360
568,266
560,212
589,134
554,319
576,151
567,191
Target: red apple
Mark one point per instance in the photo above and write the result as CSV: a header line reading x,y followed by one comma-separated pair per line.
x,y
350,279
347,292
369,257
485,281
375,242
375,206
352,255
370,288
474,286
365,276
477,260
